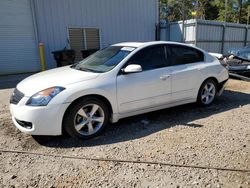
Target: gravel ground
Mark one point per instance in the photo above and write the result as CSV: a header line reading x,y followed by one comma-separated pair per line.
x,y
188,136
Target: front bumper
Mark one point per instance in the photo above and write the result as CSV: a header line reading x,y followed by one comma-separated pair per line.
x,y
45,120
241,69
242,72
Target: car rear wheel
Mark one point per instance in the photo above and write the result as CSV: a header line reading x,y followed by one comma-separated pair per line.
x,y
207,93
87,118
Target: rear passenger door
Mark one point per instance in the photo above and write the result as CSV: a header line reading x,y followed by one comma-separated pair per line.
x,y
185,63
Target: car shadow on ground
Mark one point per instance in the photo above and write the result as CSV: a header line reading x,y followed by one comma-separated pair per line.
x,y
149,123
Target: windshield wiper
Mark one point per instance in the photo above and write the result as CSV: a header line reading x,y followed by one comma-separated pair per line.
x,y
87,70
84,69
74,66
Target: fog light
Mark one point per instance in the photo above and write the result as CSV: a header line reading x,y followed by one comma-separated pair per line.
x,y
25,124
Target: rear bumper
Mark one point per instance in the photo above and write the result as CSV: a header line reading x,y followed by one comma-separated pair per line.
x,y
221,87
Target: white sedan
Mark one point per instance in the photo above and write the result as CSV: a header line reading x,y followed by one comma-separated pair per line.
x,y
119,81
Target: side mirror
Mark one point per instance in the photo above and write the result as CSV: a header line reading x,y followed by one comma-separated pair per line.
x,y
133,68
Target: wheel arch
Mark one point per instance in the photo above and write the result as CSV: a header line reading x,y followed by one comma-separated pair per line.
x,y
96,96
215,80
209,78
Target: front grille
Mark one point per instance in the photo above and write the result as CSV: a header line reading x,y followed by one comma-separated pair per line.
x,y
16,96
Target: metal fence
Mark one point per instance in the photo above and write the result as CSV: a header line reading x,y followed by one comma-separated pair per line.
x,y
212,36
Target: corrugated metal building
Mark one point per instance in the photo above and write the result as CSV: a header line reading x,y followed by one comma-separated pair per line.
x,y
18,41
212,36
78,24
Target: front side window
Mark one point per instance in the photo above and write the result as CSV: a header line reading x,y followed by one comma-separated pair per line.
x,y
104,60
179,55
150,58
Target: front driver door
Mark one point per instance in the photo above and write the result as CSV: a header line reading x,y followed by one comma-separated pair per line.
x,y
146,89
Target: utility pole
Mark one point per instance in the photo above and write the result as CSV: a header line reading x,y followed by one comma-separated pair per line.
x,y
224,28
183,21
197,9
196,21
225,19
240,10
248,14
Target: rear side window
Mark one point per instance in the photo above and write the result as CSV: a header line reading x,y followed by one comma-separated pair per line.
x,y
150,58
179,55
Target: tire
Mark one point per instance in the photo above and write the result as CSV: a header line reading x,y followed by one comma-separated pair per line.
x,y
87,118
207,93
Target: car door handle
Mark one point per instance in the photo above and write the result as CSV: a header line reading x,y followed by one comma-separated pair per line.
x,y
164,77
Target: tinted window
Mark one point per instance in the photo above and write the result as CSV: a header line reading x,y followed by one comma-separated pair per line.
x,y
183,55
150,58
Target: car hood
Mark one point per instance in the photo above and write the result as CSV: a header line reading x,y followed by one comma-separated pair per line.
x,y
241,54
56,77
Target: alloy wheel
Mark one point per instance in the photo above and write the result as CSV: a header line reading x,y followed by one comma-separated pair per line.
x,y
89,119
208,93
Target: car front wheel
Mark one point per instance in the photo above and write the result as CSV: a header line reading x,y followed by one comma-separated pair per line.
x,y
207,93
87,118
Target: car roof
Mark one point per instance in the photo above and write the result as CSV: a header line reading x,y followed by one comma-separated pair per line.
x,y
145,44
130,44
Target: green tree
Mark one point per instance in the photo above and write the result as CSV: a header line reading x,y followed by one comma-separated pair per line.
x,y
184,8
244,11
177,9
231,12
211,11
237,10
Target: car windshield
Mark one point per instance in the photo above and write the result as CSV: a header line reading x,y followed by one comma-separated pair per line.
x,y
104,60
243,54
247,46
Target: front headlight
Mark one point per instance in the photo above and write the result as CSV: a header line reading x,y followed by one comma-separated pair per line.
x,y
43,97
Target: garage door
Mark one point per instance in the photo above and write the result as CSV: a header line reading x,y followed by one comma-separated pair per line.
x,y
18,47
